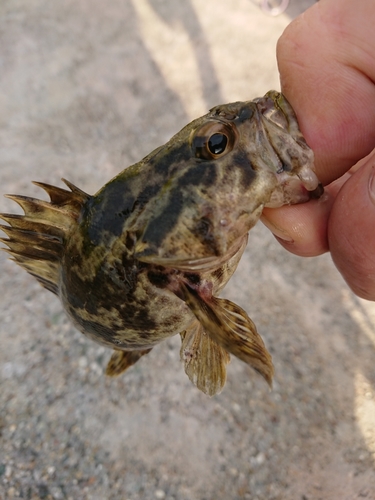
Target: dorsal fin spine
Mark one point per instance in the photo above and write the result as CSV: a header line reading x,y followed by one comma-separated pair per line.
x,y
36,239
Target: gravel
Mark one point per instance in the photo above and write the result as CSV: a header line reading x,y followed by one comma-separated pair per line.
x,y
86,89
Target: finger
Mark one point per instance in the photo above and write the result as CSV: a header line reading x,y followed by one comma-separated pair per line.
x,y
326,59
301,229
351,231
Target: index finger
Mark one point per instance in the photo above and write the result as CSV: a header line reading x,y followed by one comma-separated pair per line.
x,y
326,59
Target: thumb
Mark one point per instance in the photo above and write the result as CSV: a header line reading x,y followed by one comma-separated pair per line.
x,y
351,230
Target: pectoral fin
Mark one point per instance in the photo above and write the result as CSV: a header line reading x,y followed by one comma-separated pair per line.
x,y
188,264
122,360
230,326
205,361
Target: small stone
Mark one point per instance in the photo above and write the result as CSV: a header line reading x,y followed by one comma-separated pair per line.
x,y
51,470
260,458
8,370
57,493
43,490
95,368
160,494
82,362
11,492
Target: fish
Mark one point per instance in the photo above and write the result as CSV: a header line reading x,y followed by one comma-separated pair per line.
x,y
146,257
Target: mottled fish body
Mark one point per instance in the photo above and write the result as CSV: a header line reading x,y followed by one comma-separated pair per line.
x,y
145,257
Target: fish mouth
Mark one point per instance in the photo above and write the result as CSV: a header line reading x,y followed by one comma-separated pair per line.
x,y
285,152
295,187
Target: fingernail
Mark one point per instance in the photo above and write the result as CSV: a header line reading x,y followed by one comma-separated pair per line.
x,y
371,185
279,233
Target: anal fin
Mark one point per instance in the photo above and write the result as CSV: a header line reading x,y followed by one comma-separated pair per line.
x,y
230,327
122,360
205,361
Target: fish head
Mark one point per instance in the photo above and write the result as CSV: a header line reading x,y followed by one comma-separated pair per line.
x,y
217,175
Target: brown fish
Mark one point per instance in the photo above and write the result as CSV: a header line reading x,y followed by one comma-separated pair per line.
x,y
146,257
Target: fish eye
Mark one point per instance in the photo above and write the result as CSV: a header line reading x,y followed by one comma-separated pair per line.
x,y
217,143
213,140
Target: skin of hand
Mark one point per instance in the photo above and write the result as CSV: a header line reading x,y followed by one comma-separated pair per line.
x,y
326,60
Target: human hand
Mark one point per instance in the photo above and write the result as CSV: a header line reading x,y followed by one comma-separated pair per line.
x,y
326,59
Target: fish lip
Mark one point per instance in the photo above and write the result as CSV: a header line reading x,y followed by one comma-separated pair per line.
x,y
297,187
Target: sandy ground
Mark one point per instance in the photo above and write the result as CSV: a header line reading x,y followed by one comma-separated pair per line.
x,y
87,88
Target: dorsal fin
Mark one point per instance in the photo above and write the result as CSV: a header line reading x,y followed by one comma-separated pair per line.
x,y
36,239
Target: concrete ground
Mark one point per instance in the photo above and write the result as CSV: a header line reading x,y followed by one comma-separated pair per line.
x,y
87,88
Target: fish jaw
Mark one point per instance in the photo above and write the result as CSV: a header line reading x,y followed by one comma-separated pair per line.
x,y
286,154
